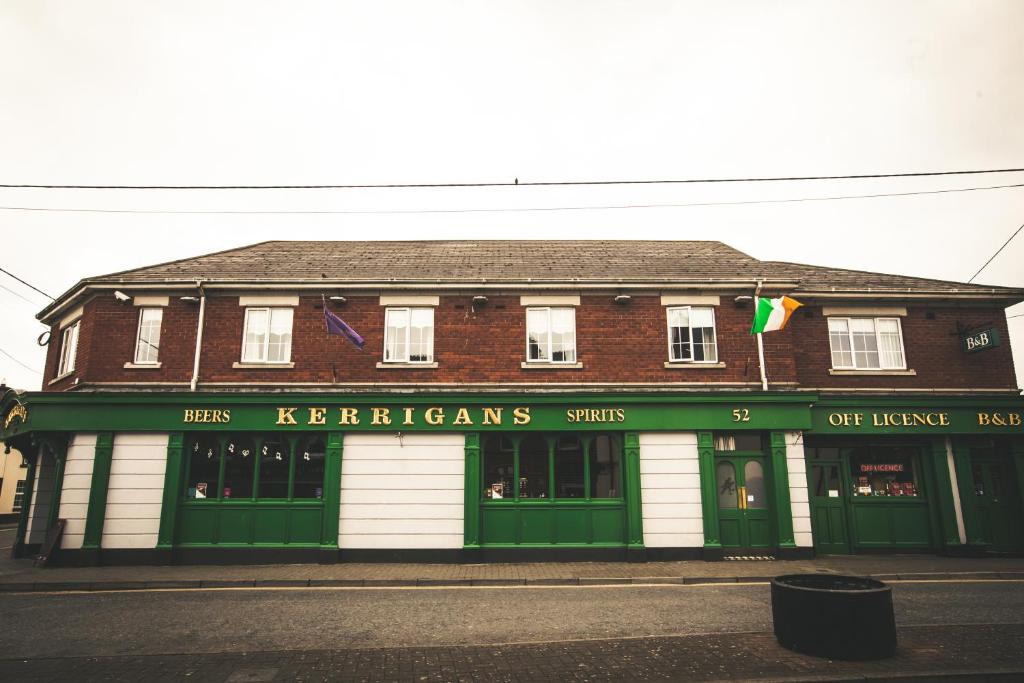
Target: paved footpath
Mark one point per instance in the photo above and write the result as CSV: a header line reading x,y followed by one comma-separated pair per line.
x,y
956,653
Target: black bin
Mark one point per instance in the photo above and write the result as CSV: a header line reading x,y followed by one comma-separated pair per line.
x,y
839,617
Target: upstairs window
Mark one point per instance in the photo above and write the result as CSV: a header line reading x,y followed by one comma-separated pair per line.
x,y
866,344
147,341
551,335
68,348
268,335
691,335
409,335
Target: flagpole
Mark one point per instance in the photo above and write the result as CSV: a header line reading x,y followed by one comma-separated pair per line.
x,y
760,343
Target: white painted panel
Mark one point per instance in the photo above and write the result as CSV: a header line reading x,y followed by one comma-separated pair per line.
x,y
798,494
71,540
404,467
803,539
448,482
74,527
797,480
128,496
402,493
401,496
671,526
133,511
402,511
77,482
802,524
135,492
130,540
666,466
668,438
125,439
797,465
655,496
680,540
137,481
400,541
138,467
127,526
74,496
73,511
667,481
671,510
77,467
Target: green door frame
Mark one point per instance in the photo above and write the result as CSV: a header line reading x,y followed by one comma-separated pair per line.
x,y
103,455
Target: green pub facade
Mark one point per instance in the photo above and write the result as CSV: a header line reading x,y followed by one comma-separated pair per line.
x,y
517,401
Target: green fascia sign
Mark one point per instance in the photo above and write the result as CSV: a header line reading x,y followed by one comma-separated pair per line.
x,y
921,416
357,412
981,340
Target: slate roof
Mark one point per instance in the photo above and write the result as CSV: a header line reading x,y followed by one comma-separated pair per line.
x,y
642,262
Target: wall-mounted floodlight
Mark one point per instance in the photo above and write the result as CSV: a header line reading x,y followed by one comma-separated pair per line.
x,y
190,299
121,296
622,299
479,300
338,300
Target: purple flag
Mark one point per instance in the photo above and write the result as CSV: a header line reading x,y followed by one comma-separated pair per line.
x,y
336,325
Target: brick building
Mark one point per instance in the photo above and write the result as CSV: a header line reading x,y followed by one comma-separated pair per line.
x,y
518,400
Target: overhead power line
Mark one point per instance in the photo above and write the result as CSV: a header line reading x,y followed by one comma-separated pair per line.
x,y
30,286
505,209
515,183
27,367
1016,232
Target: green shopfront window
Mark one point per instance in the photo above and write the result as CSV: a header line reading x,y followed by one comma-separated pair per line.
x,y
275,460
883,471
605,455
239,468
552,467
309,468
204,468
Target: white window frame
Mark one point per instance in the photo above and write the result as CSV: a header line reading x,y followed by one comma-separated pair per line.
x,y
68,348
139,347
549,360
669,326
19,490
404,359
878,343
265,348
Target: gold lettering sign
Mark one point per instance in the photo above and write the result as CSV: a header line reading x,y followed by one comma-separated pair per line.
x,y
207,416
900,419
593,415
18,411
999,419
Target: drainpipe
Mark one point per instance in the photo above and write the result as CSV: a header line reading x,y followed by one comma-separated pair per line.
x,y
199,333
760,342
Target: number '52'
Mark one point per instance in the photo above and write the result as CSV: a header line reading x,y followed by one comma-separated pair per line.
x,y
741,415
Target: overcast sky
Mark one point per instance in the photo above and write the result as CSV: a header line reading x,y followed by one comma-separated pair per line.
x,y
192,93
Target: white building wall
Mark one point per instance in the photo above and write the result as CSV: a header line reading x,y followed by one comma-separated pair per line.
x,y
402,492
670,490
798,490
136,490
42,494
74,497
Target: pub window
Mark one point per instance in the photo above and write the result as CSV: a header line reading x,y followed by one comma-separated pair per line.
x,y
310,457
533,468
68,348
275,465
551,335
147,340
866,344
239,467
409,335
605,467
725,485
883,471
522,469
267,337
203,469
569,468
499,468
691,335
739,441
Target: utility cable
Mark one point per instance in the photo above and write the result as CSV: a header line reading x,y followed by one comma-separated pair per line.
x,y
5,272
507,209
997,253
20,363
864,176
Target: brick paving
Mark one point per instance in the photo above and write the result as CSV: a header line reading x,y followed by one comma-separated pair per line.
x,y
966,653
21,575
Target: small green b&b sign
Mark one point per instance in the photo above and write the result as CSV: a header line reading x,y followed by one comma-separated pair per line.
x,y
979,341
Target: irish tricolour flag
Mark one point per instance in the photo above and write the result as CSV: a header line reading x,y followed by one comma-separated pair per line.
x,y
773,314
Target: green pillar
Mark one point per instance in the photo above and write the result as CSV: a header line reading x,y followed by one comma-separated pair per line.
x,y
780,481
173,488
26,503
471,493
634,503
97,511
332,493
708,497
965,482
942,491
60,456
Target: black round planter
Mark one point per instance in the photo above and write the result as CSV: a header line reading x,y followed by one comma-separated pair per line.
x,y
839,617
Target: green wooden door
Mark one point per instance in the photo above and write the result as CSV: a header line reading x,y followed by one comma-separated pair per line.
x,y
743,509
997,503
828,507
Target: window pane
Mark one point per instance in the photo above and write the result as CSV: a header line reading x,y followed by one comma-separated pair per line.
x,y
839,339
255,335
19,496
569,468
739,441
274,465
563,335
395,334
883,471
891,345
701,317
203,469
239,464
605,467
146,350
753,475
309,468
280,335
533,468
679,317
69,349
865,344
537,333
704,346
421,345
498,469
725,480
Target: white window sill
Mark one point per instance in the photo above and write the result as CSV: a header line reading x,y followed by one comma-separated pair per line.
x,y
262,366
406,366
142,366
873,373
691,365
58,378
537,365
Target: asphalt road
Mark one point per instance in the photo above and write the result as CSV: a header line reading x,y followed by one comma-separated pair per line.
x,y
210,621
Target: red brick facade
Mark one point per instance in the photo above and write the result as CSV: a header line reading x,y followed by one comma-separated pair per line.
x,y
616,344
